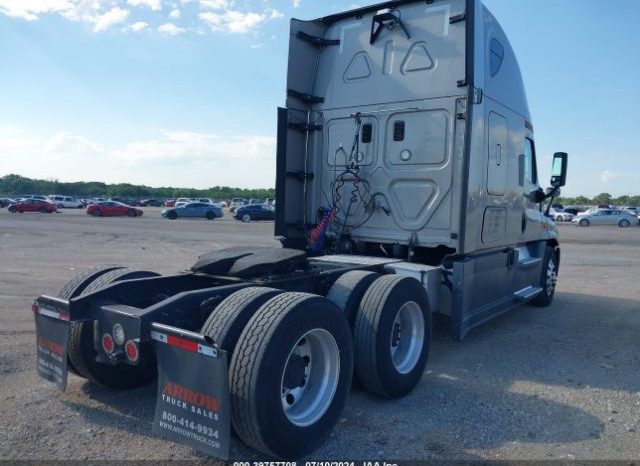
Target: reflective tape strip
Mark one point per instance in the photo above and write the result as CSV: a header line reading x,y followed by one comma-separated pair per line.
x,y
207,351
53,314
159,337
184,344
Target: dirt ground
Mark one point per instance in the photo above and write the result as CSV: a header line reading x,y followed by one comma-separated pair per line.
x,y
555,383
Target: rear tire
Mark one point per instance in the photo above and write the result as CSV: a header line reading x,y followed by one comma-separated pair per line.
x,y
82,351
290,374
584,222
96,213
548,279
230,317
13,210
392,336
348,290
246,218
76,286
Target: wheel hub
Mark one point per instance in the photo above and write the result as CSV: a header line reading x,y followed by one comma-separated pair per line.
x,y
407,337
310,377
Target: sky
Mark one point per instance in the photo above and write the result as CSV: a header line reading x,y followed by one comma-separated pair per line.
x,y
184,92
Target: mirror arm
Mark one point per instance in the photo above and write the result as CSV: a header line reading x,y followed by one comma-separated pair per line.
x,y
551,196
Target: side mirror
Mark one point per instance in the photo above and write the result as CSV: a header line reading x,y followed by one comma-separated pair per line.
x,y
559,169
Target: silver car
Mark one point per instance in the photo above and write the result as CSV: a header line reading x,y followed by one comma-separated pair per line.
x,y
193,209
606,217
560,215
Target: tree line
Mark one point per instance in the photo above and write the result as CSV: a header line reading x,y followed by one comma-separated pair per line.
x,y
20,185
600,199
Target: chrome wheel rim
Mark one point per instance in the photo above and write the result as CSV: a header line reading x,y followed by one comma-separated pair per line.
x,y
310,377
407,337
552,277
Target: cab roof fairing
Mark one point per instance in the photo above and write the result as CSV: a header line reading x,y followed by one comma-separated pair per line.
x,y
507,86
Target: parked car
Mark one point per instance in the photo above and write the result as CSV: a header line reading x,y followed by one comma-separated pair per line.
x,y
33,205
560,215
572,210
181,201
255,212
113,209
5,202
236,203
193,209
151,203
605,217
125,201
65,202
170,203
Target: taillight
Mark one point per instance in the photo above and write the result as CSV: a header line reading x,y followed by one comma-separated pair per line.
x,y
132,351
35,308
107,343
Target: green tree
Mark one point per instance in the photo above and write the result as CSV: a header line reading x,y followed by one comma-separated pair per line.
x,y
602,198
581,200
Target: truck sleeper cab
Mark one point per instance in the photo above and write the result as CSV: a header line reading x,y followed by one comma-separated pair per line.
x,y
406,185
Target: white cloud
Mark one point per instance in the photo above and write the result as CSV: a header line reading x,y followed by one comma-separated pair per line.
x,y
607,176
237,22
229,16
30,9
171,29
257,46
214,4
296,3
171,158
112,17
66,143
139,26
155,5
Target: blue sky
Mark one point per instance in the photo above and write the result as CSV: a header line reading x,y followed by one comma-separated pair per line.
x,y
184,92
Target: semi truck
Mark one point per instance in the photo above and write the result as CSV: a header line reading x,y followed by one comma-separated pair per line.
x,y
407,186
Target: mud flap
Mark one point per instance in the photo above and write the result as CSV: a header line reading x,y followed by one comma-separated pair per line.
x,y
52,335
192,406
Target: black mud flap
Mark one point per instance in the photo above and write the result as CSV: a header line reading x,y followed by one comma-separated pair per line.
x,y
192,406
52,335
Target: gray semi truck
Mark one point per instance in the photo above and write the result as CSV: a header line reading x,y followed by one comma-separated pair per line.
x,y
406,186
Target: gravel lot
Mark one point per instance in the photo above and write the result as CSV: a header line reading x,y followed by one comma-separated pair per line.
x,y
557,383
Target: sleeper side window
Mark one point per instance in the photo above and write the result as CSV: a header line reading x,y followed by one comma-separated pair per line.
x,y
496,55
530,168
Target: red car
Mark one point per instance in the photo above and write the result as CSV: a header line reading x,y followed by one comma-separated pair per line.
x,y
113,209
170,203
33,205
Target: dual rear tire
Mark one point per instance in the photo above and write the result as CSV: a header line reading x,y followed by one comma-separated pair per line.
x,y
291,364
81,350
292,355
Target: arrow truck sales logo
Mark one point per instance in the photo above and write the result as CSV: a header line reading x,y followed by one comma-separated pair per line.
x,y
178,395
49,346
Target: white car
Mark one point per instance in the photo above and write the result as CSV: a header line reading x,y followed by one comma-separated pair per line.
x,y
560,215
65,202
